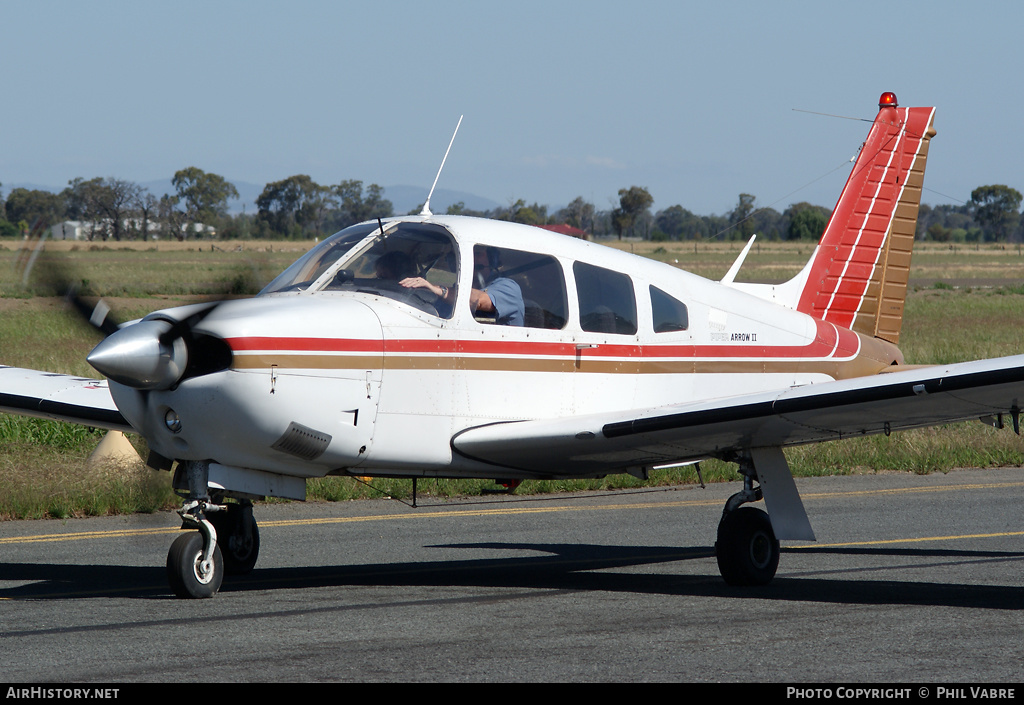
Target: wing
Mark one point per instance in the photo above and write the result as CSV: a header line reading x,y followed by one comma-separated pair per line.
x,y
618,441
62,397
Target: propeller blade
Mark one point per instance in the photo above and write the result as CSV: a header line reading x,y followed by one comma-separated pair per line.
x,y
54,276
184,327
97,315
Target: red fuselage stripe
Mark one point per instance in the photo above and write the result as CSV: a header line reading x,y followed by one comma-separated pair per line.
x,y
827,344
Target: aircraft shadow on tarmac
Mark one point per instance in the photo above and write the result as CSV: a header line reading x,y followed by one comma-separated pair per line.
x,y
568,567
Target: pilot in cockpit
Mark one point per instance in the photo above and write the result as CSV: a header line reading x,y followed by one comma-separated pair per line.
x,y
498,297
394,266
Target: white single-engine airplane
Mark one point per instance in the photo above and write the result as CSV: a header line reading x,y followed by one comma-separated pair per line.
x,y
446,346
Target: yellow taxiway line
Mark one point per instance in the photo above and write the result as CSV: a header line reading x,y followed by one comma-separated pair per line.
x,y
504,509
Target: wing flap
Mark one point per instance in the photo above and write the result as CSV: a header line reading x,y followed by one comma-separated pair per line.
x,y
613,442
61,397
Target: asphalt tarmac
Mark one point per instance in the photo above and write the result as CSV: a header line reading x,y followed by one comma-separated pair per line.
x,y
912,579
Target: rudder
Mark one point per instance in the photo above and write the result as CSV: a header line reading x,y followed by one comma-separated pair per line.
x,y
858,275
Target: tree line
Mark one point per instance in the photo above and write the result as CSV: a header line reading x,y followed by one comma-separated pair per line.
x,y
299,208
115,209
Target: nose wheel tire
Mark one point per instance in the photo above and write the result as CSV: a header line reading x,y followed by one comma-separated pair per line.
x,y
188,576
747,550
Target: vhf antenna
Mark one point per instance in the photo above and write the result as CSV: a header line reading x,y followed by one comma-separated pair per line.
x,y
426,204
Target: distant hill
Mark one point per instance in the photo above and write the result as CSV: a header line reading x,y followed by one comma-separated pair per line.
x,y
408,198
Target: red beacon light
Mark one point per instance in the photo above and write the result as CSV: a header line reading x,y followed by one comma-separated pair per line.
x,y
888,100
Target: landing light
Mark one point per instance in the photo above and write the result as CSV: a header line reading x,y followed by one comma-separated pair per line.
x,y
172,421
888,100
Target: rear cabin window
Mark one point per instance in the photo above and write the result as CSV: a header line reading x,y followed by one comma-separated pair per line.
x,y
670,314
515,279
607,302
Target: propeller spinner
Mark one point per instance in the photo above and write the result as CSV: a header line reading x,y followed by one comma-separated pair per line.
x,y
156,352
145,355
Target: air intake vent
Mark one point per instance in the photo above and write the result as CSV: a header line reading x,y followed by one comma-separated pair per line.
x,y
303,442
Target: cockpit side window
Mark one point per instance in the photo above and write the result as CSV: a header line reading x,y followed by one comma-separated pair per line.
x,y
415,263
670,314
523,288
606,298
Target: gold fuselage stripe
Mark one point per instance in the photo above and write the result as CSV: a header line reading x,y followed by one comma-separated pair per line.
x,y
856,367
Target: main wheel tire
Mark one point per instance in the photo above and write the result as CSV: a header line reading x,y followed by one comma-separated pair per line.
x,y
747,550
240,551
184,568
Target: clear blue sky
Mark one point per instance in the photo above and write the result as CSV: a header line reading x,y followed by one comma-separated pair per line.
x,y
693,100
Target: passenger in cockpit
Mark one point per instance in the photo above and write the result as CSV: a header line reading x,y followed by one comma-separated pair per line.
x,y
497,295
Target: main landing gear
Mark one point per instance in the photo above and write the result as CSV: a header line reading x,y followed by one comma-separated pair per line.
x,y
227,540
747,550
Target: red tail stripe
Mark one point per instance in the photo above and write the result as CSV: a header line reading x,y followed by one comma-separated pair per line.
x,y
849,250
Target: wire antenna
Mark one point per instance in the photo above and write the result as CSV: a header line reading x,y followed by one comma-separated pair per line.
x,y
426,204
843,117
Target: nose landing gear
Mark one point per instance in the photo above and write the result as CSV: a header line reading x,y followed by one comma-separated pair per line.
x,y
189,573
227,540
238,536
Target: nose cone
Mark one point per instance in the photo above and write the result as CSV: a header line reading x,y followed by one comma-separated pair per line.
x,y
135,356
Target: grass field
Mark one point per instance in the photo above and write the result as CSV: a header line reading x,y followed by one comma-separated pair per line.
x,y
964,303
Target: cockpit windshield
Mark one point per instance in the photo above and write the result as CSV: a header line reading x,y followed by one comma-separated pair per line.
x,y
308,268
407,262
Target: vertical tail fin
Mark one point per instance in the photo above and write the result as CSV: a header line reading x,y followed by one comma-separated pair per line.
x,y
857,277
